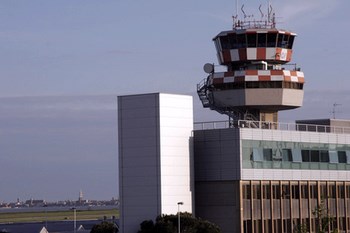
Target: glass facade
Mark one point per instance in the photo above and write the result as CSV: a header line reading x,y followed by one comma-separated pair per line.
x,y
294,155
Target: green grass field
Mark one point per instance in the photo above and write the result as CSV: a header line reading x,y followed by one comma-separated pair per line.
x,y
57,215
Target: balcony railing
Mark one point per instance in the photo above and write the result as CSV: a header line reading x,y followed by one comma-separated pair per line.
x,y
271,126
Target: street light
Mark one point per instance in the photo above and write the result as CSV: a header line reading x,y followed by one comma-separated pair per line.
x,y
178,215
75,219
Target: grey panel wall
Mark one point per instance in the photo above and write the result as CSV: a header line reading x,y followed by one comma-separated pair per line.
x,y
217,154
218,202
138,158
217,175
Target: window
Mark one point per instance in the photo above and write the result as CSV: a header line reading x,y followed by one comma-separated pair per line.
x,y
287,155
257,154
324,156
285,41
225,44
252,84
342,157
241,42
341,191
251,40
267,154
333,156
313,191
295,191
246,191
276,191
261,40
323,191
291,41
285,191
280,40
304,191
266,191
247,226
232,41
332,190
217,45
305,155
315,156
271,39
256,191
347,190
296,153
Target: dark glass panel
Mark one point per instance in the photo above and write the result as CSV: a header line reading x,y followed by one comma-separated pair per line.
x,y
342,157
241,41
271,39
280,40
261,40
251,40
305,155
290,42
225,44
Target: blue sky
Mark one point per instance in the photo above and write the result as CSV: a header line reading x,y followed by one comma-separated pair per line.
x,y
63,63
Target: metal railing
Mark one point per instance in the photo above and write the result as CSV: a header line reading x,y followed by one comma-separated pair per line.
x,y
271,126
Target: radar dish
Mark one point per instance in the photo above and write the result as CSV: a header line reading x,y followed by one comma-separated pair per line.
x,y
208,68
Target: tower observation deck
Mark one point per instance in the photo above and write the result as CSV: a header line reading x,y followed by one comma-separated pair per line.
x,y
258,82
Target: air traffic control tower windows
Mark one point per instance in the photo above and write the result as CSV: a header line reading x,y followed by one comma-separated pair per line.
x,y
254,40
271,39
262,40
251,40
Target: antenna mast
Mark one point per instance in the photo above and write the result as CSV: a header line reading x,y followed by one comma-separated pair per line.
x,y
268,11
334,111
236,8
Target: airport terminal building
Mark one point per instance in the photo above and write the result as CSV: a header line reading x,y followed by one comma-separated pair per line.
x,y
271,180
251,174
245,178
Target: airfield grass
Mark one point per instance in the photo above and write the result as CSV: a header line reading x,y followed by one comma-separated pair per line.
x,y
65,215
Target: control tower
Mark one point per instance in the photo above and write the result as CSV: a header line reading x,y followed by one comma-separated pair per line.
x,y
258,81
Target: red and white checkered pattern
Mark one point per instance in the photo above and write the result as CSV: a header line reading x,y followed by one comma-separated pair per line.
x,y
256,75
249,54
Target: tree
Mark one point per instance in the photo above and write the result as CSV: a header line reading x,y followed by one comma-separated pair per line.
x,y
104,227
169,223
323,220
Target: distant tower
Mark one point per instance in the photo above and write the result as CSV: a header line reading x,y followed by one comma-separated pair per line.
x,y
81,197
257,83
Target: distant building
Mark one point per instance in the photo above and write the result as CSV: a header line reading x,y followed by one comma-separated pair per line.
x,y
32,202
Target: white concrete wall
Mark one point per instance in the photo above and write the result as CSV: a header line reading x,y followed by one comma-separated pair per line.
x,y
154,156
176,125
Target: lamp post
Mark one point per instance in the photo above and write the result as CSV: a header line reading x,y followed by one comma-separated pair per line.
x,y
45,206
75,219
178,215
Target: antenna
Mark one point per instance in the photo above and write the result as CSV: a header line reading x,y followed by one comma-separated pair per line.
x,y
268,11
236,8
245,15
334,111
262,14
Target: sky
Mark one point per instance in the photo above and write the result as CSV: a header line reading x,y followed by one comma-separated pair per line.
x,y
63,63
